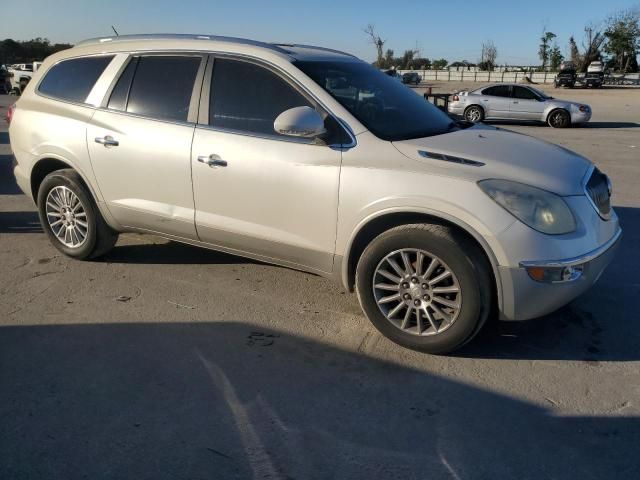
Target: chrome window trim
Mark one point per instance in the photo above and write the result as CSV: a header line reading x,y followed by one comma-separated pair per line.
x,y
582,259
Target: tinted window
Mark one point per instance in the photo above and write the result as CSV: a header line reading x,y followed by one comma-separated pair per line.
x,y
390,110
497,91
248,97
73,79
524,93
162,87
120,94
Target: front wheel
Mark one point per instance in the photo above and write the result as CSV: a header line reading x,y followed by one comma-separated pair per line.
x,y
559,119
70,217
425,287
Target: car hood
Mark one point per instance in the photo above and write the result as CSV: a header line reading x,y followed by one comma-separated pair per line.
x,y
498,153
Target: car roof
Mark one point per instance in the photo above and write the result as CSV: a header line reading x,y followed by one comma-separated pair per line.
x,y
502,85
210,43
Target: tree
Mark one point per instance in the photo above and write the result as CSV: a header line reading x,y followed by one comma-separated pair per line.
x,y
489,56
623,38
439,64
574,53
544,49
37,49
555,57
378,42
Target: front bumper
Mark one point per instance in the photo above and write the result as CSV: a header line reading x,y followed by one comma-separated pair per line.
x,y
525,298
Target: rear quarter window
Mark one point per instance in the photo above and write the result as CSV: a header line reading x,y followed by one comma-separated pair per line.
x,y
73,79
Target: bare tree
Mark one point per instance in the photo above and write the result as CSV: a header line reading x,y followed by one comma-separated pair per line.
x,y
489,55
378,42
593,40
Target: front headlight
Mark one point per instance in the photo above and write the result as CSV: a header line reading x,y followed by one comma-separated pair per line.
x,y
543,211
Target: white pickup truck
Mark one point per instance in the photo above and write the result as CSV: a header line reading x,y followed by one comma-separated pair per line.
x,y
19,75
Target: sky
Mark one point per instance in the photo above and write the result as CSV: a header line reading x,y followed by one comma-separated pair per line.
x,y
450,29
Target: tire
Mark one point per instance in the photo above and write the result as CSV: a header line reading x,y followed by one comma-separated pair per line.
x,y
474,114
470,274
559,119
98,239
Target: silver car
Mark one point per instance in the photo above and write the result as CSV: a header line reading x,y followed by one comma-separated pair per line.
x,y
507,101
312,159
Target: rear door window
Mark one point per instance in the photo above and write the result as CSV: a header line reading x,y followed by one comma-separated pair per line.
x,y
497,91
72,80
157,86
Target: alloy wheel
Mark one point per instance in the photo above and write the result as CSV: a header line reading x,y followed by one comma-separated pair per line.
x,y
417,292
67,217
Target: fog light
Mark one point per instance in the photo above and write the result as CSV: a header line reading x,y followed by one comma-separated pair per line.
x,y
555,274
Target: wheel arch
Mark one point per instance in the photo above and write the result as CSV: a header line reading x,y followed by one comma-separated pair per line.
x,y
373,226
51,163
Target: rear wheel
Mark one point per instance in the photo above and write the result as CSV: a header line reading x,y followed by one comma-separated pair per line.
x,y
474,114
425,287
559,119
71,218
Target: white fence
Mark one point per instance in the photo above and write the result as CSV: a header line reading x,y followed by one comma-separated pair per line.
x,y
510,77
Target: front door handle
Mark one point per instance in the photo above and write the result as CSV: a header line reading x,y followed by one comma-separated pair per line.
x,y
212,160
107,141
515,101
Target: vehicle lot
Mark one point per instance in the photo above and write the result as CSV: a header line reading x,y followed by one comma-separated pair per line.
x,y
166,361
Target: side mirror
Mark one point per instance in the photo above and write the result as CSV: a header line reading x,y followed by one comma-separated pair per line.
x,y
302,122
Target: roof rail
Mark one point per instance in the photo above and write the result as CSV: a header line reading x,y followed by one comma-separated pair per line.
x,y
313,47
179,36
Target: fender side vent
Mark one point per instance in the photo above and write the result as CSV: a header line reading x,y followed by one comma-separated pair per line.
x,y
449,158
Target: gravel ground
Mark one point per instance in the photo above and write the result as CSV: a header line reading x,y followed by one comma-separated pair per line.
x,y
165,361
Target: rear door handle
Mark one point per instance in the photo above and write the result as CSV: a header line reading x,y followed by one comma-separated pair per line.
x,y
212,160
107,141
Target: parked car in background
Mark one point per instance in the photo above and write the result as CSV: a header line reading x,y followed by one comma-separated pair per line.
x,y
4,80
313,159
595,67
593,79
20,75
565,78
411,78
517,102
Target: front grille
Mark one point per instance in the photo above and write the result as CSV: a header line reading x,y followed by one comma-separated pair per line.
x,y
598,190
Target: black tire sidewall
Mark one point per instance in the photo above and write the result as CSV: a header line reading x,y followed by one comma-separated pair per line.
x,y
69,180
567,122
472,282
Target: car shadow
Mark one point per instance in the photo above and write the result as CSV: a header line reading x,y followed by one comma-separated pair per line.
x,y
609,125
170,253
8,184
524,123
223,399
20,222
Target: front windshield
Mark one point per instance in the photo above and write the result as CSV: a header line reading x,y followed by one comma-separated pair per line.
x,y
383,105
540,92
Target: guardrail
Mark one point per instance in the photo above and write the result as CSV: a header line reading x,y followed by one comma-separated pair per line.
x,y
513,77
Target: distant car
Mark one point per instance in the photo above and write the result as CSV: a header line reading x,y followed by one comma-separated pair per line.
x,y
593,79
517,102
411,78
565,78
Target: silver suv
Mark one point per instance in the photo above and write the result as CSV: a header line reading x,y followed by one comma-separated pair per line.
x,y
312,159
